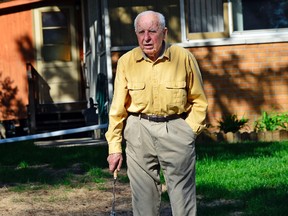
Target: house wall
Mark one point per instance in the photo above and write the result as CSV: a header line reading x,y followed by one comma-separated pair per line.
x,y
122,14
242,79
16,49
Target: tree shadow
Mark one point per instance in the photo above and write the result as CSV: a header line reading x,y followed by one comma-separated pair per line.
x,y
231,79
24,162
239,151
228,83
26,48
257,201
11,105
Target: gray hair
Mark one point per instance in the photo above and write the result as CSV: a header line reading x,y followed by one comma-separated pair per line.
x,y
160,16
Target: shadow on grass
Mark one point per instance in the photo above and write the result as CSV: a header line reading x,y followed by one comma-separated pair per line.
x,y
227,151
26,163
256,202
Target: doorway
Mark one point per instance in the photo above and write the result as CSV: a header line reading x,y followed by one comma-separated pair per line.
x,y
57,60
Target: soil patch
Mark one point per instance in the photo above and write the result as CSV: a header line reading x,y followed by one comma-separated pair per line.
x,y
92,199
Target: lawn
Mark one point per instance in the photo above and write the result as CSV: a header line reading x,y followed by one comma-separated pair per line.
x,y
232,179
251,177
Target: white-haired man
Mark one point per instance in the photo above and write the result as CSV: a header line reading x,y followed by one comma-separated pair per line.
x,y
160,106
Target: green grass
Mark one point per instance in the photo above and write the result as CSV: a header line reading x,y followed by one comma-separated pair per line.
x,y
250,178
254,175
26,163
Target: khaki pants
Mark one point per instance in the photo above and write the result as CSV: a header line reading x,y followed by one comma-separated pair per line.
x,y
171,146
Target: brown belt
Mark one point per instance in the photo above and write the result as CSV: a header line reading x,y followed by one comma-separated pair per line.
x,y
157,118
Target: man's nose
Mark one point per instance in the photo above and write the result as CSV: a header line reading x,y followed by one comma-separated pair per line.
x,y
147,36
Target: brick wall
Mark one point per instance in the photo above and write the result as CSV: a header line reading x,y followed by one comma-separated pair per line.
x,y
242,79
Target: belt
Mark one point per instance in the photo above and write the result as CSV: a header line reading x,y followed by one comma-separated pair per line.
x,y
157,118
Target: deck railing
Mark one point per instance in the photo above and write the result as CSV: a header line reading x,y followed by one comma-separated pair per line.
x,y
38,91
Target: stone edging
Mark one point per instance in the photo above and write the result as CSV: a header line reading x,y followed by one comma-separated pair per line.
x,y
265,136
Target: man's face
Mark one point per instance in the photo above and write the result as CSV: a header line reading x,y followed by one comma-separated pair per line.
x,y
150,35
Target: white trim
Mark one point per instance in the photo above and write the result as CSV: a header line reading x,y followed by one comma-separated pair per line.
x,y
108,51
83,31
238,40
233,40
182,21
230,18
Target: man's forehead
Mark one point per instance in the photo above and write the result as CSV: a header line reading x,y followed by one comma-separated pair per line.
x,y
147,24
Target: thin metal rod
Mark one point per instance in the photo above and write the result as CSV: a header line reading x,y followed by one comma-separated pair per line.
x,y
113,213
53,133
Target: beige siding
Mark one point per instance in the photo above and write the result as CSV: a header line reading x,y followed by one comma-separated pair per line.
x,y
122,15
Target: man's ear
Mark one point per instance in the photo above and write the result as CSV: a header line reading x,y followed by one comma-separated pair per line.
x,y
165,32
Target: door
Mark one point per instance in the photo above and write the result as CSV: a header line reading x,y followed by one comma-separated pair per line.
x,y
57,54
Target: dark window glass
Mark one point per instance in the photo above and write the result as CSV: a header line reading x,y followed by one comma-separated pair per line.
x,y
269,14
55,36
52,19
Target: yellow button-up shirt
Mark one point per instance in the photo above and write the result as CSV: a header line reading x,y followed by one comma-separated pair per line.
x,y
170,85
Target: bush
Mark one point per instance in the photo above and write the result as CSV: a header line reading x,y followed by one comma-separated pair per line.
x,y
231,123
272,122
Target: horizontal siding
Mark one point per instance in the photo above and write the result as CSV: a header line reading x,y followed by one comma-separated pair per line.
x,y
17,48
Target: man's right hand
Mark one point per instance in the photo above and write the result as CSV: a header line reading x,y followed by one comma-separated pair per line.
x,y
115,161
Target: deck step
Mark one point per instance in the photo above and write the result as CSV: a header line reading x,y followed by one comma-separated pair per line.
x,y
53,117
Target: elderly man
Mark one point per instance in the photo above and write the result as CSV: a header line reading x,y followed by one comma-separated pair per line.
x,y
160,106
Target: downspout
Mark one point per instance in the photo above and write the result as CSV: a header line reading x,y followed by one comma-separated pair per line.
x,y
230,17
182,21
108,52
83,31
84,51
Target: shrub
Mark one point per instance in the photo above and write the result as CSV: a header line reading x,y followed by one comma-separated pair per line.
x,y
231,123
272,122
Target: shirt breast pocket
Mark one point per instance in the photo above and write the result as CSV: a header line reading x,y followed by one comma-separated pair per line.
x,y
176,93
137,93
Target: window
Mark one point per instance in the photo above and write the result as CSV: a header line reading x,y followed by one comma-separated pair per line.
x,y
259,14
207,19
56,37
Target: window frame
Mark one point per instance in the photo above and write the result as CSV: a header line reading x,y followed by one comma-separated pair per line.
x,y
231,36
209,35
